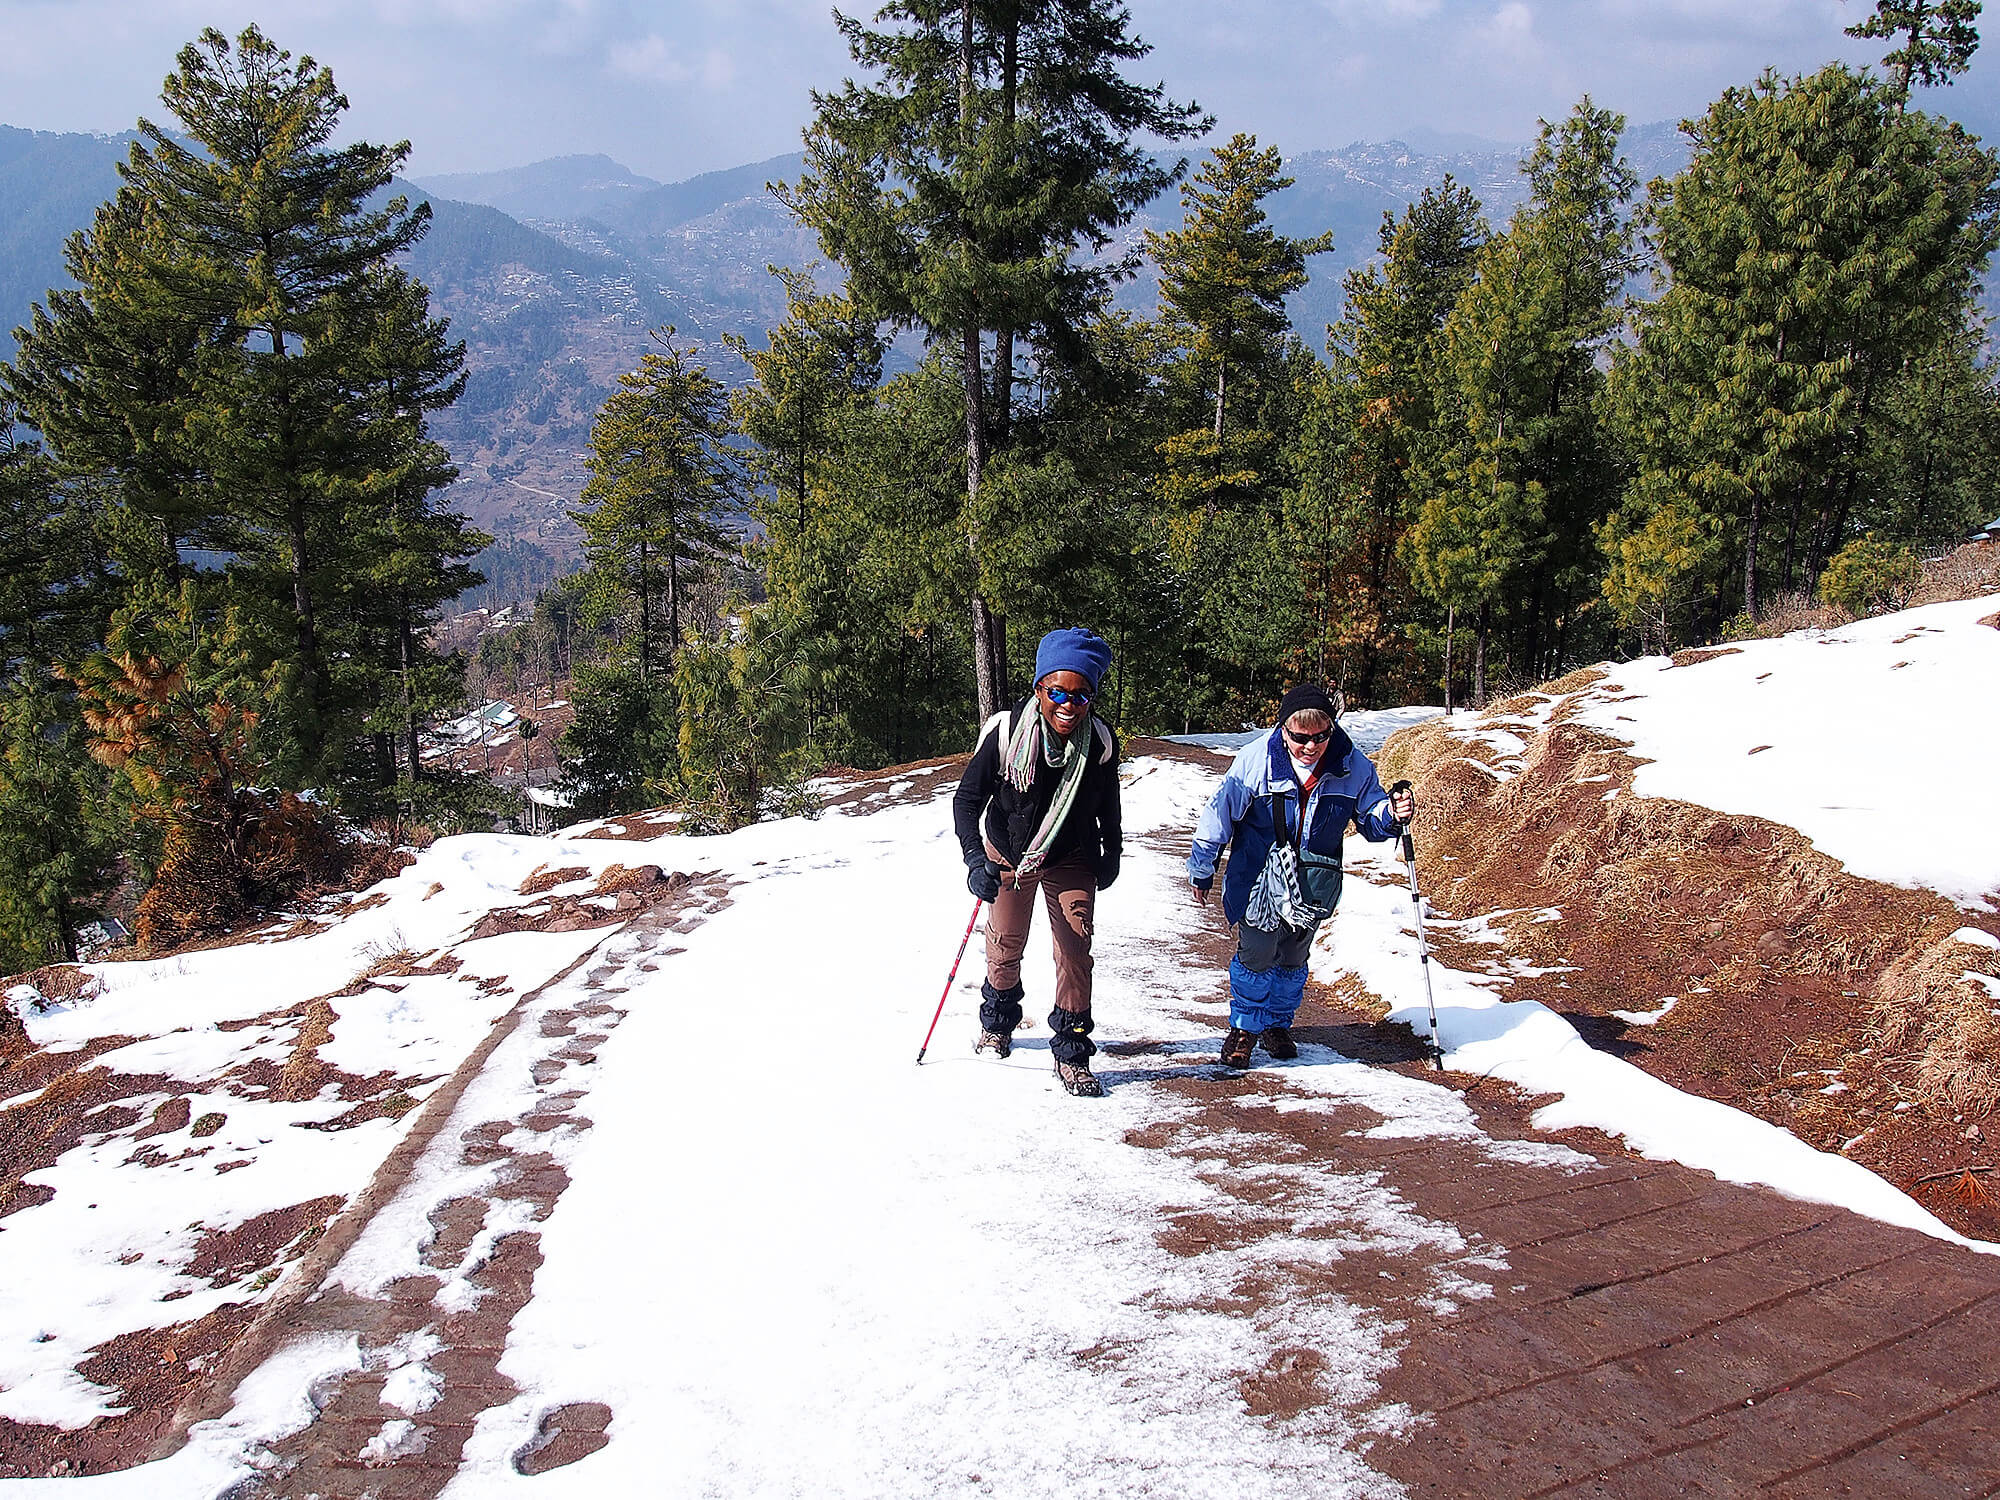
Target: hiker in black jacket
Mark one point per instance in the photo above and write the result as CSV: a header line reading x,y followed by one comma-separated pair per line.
x,y
1038,807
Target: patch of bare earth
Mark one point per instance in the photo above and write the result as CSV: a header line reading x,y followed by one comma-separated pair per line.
x,y
618,896
919,781
1835,1007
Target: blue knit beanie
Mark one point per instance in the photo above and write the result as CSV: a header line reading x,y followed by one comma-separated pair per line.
x,y
1077,650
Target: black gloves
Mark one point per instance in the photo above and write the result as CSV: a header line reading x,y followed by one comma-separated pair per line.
x,y
1107,869
982,878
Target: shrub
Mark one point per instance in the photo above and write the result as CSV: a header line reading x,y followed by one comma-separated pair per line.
x,y
1867,575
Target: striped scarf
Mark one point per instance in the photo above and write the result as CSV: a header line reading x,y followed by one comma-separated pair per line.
x,y
1032,741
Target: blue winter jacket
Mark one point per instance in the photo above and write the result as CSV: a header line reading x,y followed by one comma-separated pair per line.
x,y
1239,814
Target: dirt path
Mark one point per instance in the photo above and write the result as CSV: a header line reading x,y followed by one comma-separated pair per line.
x,y
1658,1332
431,1344
1655,1332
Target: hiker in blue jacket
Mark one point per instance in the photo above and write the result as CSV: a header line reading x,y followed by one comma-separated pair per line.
x,y
1304,782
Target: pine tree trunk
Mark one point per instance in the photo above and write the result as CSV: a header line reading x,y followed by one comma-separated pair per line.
x,y
405,644
295,524
1479,658
985,659
1791,539
673,593
1221,388
645,615
1750,554
1450,625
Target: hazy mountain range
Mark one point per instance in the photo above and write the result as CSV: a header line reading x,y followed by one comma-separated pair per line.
x,y
553,273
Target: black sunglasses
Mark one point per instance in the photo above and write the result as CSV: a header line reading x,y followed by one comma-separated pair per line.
x,y
1319,737
1062,697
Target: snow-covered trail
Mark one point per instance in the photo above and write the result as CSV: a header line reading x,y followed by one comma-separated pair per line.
x,y
793,1263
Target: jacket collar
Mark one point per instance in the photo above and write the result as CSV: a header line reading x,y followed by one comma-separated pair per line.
x,y
1281,777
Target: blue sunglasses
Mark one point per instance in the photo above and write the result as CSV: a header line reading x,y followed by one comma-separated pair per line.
x,y
1063,697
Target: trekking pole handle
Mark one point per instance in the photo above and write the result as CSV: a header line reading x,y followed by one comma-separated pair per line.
x,y
1409,845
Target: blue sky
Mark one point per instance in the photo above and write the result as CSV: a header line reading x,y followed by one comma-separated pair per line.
x,y
676,87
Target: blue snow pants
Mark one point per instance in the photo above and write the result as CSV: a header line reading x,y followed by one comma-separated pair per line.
x,y
1267,977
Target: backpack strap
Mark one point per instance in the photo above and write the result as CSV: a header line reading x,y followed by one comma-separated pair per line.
x,y
999,722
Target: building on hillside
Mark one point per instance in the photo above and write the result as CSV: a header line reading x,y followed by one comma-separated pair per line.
x,y
492,718
546,809
1990,532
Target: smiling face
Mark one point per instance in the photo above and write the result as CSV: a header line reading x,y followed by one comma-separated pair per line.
x,y
1063,718
1307,734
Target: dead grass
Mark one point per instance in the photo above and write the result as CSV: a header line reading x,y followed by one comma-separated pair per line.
x,y
1696,655
1966,573
545,879
618,878
1929,1008
57,982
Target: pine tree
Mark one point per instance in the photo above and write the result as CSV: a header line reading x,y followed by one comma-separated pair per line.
x,y
106,373
822,362
53,583
409,552
1819,239
663,481
1933,463
1526,473
58,845
1387,348
958,191
276,248
1225,273
1939,38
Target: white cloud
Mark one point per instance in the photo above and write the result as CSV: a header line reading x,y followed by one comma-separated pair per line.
x,y
1385,10
1511,29
651,57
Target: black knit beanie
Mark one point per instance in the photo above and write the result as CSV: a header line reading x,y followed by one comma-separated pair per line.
x,y
1307,695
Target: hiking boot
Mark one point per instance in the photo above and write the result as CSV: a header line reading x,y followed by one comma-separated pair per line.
x,y
1236,1048
1278,1042
1077,1079
999,1043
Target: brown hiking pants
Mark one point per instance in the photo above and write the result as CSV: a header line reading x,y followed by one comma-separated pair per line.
x,y
1069,889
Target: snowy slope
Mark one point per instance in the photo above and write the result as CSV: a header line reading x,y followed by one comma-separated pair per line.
x,y
793,1263
1879,741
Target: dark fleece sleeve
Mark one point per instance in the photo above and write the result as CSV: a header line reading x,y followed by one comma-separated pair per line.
x,y
975,790
1110,813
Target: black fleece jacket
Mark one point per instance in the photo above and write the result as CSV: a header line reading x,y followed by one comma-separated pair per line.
x,y
1010,818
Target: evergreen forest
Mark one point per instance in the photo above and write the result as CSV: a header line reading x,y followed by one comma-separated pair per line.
x,y
1633,417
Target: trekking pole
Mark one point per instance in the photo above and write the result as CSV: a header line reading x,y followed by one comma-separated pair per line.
x,y
1423,943
976,904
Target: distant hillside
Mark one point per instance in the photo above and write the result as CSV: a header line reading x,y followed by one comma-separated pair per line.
x,y
50,185
680,203
548,327
563,187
